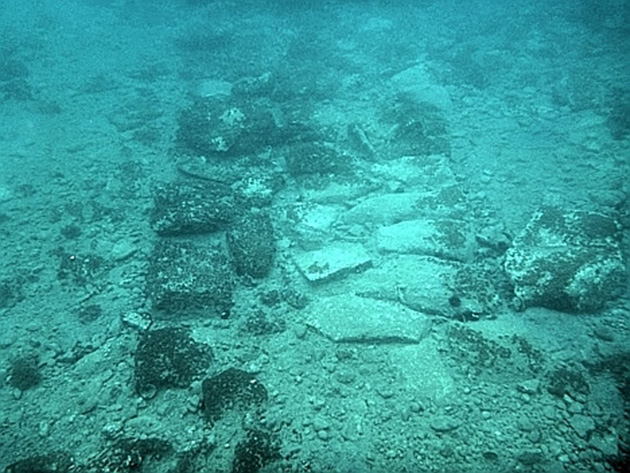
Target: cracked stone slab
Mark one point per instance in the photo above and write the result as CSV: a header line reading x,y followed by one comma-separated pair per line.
x,y
332,262
353,319
387,209
432,286
442,238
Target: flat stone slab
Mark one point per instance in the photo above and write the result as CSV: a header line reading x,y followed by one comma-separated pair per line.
x,y
333,262
432,286
338,191
387,209
567,261
353,319
418,172
442,238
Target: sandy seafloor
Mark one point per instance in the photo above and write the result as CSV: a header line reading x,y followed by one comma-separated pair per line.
x,y
92,93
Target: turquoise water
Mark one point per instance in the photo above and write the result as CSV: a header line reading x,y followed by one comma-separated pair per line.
x,y
335,236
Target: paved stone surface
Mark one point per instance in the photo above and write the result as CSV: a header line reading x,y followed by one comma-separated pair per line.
x,y
350,318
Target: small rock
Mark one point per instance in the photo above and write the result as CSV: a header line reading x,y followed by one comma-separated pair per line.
x,y
320,423
136,320
445,424
525,424
530,458
605,334
534,436
583,425
606,443
300,330
123,249
416,407
531,386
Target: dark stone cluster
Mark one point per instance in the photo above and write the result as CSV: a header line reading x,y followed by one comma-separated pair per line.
x,y
185,277
226,127
254,452
79,268
231,389
191,208
566,380
25,372
168,358
252,245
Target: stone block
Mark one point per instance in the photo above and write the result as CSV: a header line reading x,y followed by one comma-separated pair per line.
x,y
332,262
186,278
567,261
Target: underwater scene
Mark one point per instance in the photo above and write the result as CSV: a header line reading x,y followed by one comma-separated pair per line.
x,y
314,236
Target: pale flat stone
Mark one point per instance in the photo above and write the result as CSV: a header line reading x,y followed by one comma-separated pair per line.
x,y
350,318
442,238
339,191
387,209
214,88
332,262
432,286
419,85
420,172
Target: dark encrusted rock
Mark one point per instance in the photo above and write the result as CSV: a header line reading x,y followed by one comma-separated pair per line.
x,y
567,381
306,159
202,207
417,128
215,126
256,451
24,372
252,244
54,462
231,389
185,278
567,261
168,358
10,292
132,454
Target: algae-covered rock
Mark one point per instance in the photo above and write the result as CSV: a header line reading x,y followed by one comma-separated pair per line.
x,y
168,358
182,209
252,245
567,261
231,389
185,278
220,126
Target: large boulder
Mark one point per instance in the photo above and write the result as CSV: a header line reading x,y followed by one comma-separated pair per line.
x,y
567,261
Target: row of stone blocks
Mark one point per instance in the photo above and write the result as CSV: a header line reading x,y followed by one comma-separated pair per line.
x,y
188,273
